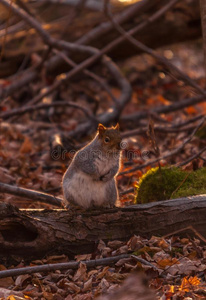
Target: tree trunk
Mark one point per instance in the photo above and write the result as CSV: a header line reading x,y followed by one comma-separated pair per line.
x,y
181,23
30,234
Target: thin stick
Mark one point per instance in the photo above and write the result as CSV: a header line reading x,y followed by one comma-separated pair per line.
x,y
97,78
131,190
161,129
173,152
163,109
191,158
151,52
184,229
63,45
144,262
30,74
88,37
62,266
6,31
30,194
26,109
181,183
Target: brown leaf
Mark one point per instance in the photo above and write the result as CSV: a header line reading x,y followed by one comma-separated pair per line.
x,y
122,261
5,282
56,259
72,287
115,244
22,280
27,146
167,262
135,243
81,273
87,285
83,257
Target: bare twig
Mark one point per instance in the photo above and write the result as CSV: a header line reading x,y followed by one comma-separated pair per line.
x,y
151,52
88,73
171,153
151,135
59,44
185,162
157,128
131,190
30,194
179,186
129,13
138,7
184,229
189,121
6,30
26,109
62,266
134,118
144,262
91,4
104,28
11,29
19,81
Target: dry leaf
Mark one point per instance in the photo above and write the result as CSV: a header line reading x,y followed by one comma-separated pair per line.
x,y
87,285
81,273
27,146
189,283
22,280
72,287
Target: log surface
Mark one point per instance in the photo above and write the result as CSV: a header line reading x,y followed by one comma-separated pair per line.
x,y
33,233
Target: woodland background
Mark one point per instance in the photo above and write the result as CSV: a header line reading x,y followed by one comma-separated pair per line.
x,y
65,66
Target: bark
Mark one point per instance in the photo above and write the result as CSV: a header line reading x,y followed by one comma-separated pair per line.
x,y
182,23
29,234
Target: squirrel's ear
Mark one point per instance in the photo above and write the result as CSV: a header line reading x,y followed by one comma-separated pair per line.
x,y
101,129
117,126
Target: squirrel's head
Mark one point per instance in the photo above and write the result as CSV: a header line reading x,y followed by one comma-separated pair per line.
x,y
110,137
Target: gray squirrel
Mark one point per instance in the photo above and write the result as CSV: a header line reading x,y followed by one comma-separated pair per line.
x,y
90,180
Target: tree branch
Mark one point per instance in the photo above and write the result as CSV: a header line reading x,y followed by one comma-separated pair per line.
x,y
30,194
26,109
171,153
63,266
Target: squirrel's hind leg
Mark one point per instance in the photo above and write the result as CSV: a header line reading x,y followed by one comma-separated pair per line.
x,y
111,194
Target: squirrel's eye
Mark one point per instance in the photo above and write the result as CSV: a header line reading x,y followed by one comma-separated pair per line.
x,y
107,139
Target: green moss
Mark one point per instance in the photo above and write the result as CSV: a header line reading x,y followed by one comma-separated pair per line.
x,y
170,183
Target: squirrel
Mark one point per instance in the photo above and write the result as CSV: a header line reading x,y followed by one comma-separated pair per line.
x,y
90,180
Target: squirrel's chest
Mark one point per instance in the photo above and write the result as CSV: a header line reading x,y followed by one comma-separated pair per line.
x,y
86,191
103,164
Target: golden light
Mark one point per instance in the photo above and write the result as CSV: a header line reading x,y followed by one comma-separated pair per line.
x,y
129,1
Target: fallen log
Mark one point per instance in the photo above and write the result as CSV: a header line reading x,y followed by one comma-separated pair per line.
x,y
29,234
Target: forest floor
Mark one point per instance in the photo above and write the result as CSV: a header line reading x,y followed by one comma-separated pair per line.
x,y
30,158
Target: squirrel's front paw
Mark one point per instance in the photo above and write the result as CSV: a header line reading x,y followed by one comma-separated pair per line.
x,y
73,207
105,177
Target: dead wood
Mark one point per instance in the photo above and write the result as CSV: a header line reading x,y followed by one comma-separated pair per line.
x,y
182,23
173,152
33,233
64,266
31,195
